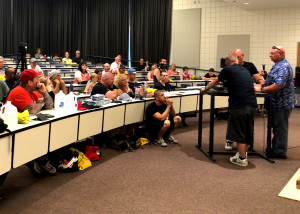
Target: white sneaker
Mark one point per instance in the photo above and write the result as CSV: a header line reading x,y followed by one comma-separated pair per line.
x,y
228,145
161,142
238,161
171,139
237,155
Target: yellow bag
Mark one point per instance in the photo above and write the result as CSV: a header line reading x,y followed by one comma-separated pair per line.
x,y
83,161
23,117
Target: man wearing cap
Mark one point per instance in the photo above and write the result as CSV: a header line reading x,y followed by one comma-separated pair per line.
x,y
78,59
122,70
131,79
33,65
161,119
57,83
280,84
30,95
103,86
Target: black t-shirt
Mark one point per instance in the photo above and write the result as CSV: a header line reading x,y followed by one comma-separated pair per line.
x,y
159,86
9,84
250,67
151,110
240,86
77,60
140,67
132,86
207,75
99,89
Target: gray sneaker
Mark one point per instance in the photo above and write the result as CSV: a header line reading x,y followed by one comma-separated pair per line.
x,y
161,142
49,168
237,155
238,161
171,139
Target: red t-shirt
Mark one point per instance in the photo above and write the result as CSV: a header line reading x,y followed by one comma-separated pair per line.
x,y
21,98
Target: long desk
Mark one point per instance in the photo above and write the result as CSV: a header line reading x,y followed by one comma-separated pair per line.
x,y
214,95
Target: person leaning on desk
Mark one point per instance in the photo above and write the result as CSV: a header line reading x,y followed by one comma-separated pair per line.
x,y
242,106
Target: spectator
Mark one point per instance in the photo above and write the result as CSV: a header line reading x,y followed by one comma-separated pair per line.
x,y
56,56
38,54
163,84
102,87
32,95
89,87
151,73
2,70
48,85
161,119
11,77
28,56
142,66
33,65
210,75
78,59
116,64
131,79
99,74
3,90
57,83
82,75
172,70
121,81
66,59
106,68
185,75
162,68
122,70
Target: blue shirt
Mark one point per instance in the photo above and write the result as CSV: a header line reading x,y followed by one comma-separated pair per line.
x,y
282,74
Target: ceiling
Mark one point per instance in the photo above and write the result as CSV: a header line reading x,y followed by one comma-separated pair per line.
x,y
264,4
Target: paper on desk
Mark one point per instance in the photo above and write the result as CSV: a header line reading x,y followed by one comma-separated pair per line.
x,y
290,191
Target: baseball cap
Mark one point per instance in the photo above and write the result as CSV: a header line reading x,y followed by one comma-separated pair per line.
x,y
122,66
33,60
124,97
131,71
78,51
79,106
53,73
29,74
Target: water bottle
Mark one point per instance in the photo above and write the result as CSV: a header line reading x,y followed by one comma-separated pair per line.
x,y
9,113
59,102
65,62
71,87
71,102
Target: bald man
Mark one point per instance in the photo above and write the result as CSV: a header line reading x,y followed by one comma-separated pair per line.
x,y
280,84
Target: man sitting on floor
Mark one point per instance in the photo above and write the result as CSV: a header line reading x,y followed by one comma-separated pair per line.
x,y
161,119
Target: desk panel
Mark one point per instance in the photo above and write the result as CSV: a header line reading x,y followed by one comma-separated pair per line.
x,y
63,132
176,104
5,154
113,117
221,101
134,113
30,144
188,103
260,100
90,124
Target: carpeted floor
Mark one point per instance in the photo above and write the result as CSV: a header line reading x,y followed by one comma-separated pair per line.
x,y
176,179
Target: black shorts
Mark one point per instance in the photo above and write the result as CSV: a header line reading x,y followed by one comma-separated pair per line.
x,y
240,127
156,127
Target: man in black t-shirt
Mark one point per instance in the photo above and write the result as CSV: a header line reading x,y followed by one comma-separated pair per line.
x,y
78,59
242,106
131,79
142,66
163,84
102,87
210,75
161,119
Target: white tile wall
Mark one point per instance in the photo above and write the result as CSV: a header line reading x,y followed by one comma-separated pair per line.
x,y
266,28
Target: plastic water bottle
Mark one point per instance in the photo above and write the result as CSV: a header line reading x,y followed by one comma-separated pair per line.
x,y
71,102
71,88
9,113
59,102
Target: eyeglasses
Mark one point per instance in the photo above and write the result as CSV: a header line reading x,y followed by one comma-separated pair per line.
x,y
274,47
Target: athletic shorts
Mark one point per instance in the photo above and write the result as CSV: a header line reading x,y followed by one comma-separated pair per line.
x,y
240,127
153,131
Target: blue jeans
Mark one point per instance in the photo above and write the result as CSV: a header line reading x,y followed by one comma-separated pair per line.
x,y
280,122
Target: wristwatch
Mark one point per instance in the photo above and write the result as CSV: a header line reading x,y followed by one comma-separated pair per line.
x,y
262,89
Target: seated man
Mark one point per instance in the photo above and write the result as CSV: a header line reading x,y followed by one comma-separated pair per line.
x,y
161,119
78,59
10,76
31,95
103,86
210,75
131,79
33,65
163,84
122,70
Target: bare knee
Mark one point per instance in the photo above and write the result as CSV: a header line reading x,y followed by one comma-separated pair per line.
x,y
167,123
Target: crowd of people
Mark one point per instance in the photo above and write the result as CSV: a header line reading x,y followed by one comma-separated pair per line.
x,y
37,92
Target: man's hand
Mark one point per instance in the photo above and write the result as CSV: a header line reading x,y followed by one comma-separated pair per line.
x,y
169,102
41,87
57,81
257,88
202,90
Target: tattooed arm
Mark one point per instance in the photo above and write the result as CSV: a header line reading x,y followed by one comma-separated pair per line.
x,y
48,102
34,108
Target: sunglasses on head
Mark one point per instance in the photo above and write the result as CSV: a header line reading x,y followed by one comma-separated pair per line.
x,y
274,47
